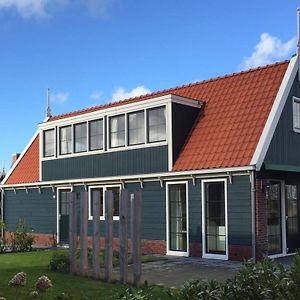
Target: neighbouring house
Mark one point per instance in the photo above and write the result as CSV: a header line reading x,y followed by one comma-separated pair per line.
x,y
218,163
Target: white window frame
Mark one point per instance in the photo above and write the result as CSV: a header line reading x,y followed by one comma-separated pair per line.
x,y
42,144
172,252
104,188
74,136
295,100
72,140
108,132
204,253
103,136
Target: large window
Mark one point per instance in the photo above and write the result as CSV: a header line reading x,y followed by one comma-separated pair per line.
x,y
296,114
49,143
80,139
136,128
215,217
65,140
117,131
156,124
96,135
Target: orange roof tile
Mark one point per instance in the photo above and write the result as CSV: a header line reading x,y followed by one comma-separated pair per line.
x,y
224,135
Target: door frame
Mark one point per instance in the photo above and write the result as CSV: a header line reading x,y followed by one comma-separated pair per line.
x,y
204,253
170,252
58,189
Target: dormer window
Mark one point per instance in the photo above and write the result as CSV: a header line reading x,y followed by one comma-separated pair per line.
x,y
80,138
296,114
65,140
49,143
136,128
156,124
117,131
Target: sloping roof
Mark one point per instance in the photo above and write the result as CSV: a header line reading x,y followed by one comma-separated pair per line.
x,y
226,132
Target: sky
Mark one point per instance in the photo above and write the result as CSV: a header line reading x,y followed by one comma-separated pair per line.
x,y
89,52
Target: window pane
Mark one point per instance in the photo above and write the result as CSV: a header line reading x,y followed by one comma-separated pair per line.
x,y
296,114
80,137
65,140
49,143
177,218
116,197
117,131
96,135
136,127
215,218
157,124
100,190
64,203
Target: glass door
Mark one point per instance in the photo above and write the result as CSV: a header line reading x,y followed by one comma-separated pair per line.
x,y
292,226
215,219
63,216
177,219
274,217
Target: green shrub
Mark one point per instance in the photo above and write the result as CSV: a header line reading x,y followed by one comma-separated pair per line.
x,y
59,262
295,275
145,293
3,245
21,240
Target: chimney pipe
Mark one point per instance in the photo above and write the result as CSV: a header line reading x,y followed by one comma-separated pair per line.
x,y
15,157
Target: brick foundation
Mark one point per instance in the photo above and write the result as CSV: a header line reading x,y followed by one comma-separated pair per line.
x,y
261,219
40,239
239,252
195,249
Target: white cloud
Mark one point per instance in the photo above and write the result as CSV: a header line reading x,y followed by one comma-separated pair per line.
x,y
96,95
32,8
269,49
98,8
60,97
121,93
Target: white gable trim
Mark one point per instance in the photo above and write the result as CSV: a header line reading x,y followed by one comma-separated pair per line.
x,y
20,157
272,121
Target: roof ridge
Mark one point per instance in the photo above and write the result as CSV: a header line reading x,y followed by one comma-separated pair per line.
x,y
149,95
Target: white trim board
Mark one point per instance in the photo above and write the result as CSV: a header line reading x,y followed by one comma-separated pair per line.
x,y
273,118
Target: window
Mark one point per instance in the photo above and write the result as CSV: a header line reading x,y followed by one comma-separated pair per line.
x,y
96,135
156,124
296,114
136,128
49,143
116,196
92,195
80,137
65,140
117,131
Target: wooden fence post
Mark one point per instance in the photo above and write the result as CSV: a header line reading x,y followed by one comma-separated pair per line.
x,y
96,234
123,235
136,224
83,233
72,232
109,212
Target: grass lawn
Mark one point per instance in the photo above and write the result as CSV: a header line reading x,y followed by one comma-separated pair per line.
x,y
36,264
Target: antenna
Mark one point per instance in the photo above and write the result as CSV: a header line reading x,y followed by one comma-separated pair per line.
x,y
48,110
298,41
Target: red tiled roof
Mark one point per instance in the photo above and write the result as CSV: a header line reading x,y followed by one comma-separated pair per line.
x,y
27,170
226,132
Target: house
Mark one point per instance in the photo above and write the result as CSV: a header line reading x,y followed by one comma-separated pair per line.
x,y
218,163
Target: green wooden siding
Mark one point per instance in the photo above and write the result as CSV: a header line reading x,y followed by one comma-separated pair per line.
x,y
129,162
37,209
284,149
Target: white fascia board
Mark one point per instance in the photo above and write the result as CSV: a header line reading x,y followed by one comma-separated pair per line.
x,y
273,118
122,108
138,177
20,157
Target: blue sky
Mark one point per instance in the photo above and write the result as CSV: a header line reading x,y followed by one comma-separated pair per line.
x,y
93,51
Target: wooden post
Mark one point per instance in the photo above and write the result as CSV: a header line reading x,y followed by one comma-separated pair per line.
x,y
83,233
136,224
109,212
123,235
72,231
96,234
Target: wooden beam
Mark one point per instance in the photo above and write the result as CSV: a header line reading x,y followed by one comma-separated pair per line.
x,y
83,233
109,212
72,232
96,233
123,235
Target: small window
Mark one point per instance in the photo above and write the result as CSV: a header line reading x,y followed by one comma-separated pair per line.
x,y
65,140
116,196
136,127
96,135
296,114
156,124
80,140
117,131
92,195
49,143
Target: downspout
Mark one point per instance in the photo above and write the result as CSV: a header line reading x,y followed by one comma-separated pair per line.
x,y
253,214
